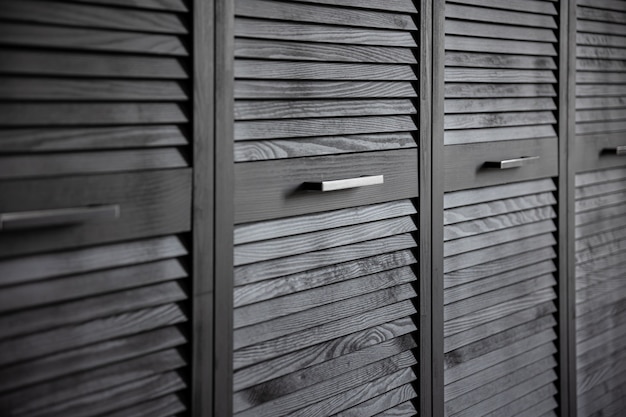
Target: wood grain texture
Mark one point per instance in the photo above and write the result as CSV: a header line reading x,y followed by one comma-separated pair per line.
x,y
95,138
323,14
153,203
260,194
84,64
346,46
65,14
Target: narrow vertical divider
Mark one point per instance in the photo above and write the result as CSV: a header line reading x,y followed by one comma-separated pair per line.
x,y
224,207
563,193
437,188
425,201
202,211
567,184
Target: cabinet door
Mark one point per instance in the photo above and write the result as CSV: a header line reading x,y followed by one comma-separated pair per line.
x,y
601,291
600,216
325,283
499,300
94,140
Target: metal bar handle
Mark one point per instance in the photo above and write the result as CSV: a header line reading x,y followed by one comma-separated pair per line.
x,y
57,217
344,184
512,163
618,150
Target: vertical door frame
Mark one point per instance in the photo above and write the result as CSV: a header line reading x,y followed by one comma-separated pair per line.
x,y
437,191
202,261
425,175
567,210
563,194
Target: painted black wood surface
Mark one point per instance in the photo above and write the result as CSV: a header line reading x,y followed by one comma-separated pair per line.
x,y
499,300
95,110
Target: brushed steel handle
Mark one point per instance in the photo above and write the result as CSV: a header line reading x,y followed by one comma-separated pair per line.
x,y
344,184
57,217
618,150
511,163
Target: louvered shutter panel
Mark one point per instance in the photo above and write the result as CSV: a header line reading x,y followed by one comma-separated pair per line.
x,y
499,70
94,110
600,291
325,291
499,300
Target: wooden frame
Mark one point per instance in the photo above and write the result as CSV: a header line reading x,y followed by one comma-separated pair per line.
x,y
223,205
425,214
202,241
567,208
437,189
565,193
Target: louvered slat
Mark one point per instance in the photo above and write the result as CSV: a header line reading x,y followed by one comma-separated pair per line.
x,y
499,292
321,78
600,289
97,330
500,82
330,329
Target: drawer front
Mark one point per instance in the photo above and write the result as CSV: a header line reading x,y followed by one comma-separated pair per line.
x,y
266,190
599,152
484,164
107,208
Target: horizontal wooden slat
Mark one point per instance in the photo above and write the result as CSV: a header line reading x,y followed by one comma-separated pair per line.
x,y
498,392
62,139
496,134
485,30
494,15
318,71
323,390
497,267
318,316
498,105
343,349
173,5
469,59
49,165
501,46
31,268
283,109
249,89
68,14
315,278
355,396
322,14
308,377
20,35
54,89
478,379
71,337
29,62
76,286
480,75
478,333
531,6
498,90
488,314
603,4
270,129
488,285
262,150
482,120
345,48
474,227
406,6
90,114
42,396
270,269
89,357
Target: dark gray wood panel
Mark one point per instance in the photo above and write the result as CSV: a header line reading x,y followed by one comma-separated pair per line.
x,y
272,189
499,287
298,272
600,272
